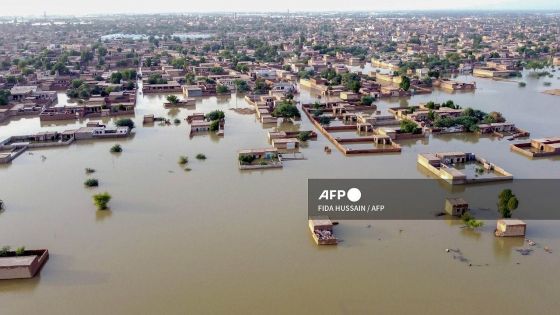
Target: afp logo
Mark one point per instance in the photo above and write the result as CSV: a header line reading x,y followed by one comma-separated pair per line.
x,y
353,194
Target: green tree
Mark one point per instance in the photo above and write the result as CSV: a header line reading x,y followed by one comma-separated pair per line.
x,y
405,83
76,83
324,120
173,99
215,115
241,85
286,110
217,70
507,202
215,125
408,126
190,78
261,87
367,100
246,159
351,81
116,78
536,64
4,97
222,89
304,135
125,122
494,117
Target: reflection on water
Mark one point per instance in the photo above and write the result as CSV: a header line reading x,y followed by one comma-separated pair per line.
x,y
217,239
504,247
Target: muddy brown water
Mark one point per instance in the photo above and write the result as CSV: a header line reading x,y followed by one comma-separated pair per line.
x,y
218,240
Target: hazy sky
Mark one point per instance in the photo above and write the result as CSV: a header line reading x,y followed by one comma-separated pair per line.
x,y
78,7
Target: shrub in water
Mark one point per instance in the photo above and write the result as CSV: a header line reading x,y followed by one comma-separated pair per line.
x,y
92,182
101,200
183,159
116,148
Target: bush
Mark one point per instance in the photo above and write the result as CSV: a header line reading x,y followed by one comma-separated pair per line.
x,y
408,126
215,115
324,120
177,121
92,182
317,113
200,156
304,135
246,159
125,122
4,251
405,83
20,251
183,159
241,86
116,148
286,110
173,99
471,222
222,89
101,200
367,100
215,125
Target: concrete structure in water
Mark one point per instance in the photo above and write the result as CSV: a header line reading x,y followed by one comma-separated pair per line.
x,y
510,227
382,143
444,166
451,85
456,206
538,147
322,230
259,159
26,265
14,146
286,143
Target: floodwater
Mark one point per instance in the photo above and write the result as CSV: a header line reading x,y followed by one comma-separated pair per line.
x,y
218,240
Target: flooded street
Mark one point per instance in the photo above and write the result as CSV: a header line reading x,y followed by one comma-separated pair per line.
x,y
217,239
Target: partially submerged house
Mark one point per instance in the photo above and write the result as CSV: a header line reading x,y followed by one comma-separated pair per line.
x,y
451,85
510,227
322,230
456,206
538,147
259,158
23,265
462,168
285,143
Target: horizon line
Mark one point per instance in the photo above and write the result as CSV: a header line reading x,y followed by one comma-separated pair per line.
x,y
472,10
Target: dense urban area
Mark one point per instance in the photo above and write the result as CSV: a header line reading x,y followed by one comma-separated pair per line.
x,y
191,137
